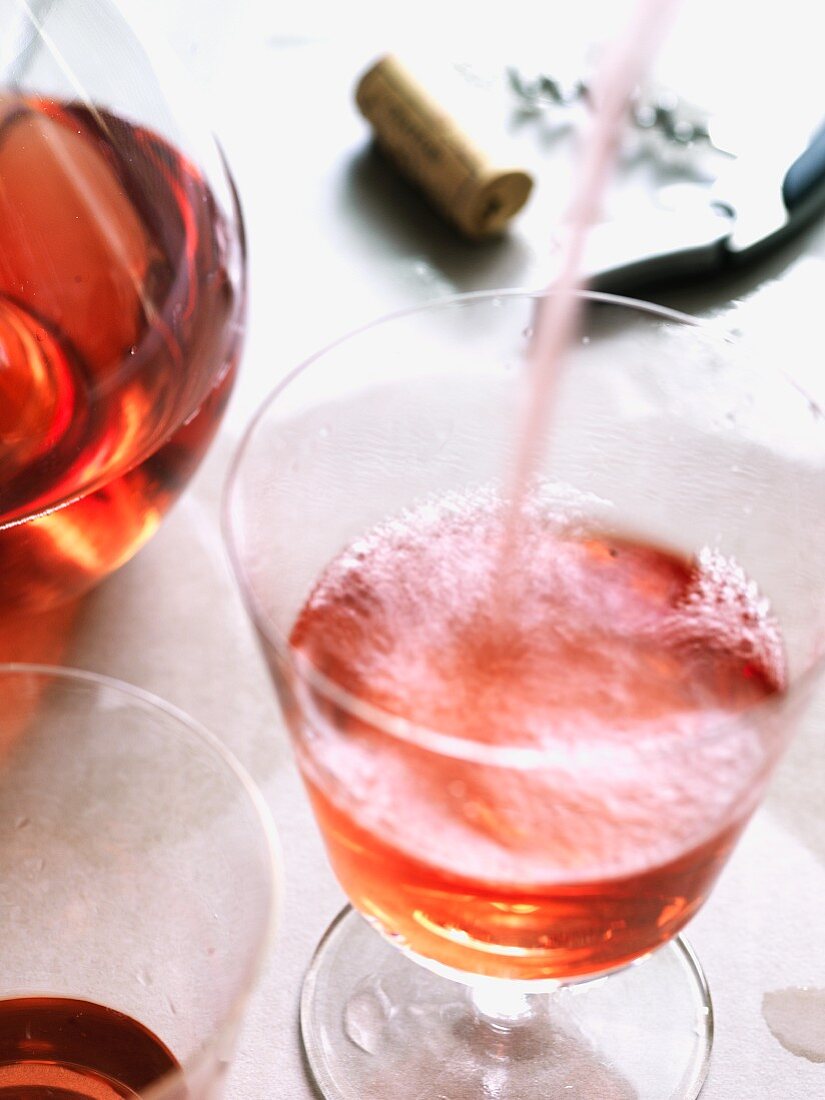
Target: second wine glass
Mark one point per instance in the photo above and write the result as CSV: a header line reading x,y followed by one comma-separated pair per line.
x,y
140,877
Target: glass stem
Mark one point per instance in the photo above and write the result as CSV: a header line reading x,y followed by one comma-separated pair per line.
x,y
502,1006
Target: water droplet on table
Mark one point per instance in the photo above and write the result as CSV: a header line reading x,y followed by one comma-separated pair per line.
x,y
796,1019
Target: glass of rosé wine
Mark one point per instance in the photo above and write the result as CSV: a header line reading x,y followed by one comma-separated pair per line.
x,y
532,720
122,297
139,874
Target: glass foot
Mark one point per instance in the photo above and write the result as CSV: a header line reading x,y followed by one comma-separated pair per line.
x,y
376,1024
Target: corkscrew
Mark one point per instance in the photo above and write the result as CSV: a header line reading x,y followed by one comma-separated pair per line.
x,y
656,110
758,198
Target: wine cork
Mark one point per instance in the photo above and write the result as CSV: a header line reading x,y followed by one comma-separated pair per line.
x,y
429,147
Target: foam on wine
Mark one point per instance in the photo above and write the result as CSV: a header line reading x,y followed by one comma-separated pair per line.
x,y
619,688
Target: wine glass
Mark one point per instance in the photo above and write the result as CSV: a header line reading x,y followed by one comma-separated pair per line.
x,y
139,867
531,733
122,296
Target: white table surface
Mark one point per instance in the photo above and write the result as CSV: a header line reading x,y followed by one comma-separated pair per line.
x,y
334,239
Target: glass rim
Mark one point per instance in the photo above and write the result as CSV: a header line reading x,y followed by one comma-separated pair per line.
x,y
268,832
416,734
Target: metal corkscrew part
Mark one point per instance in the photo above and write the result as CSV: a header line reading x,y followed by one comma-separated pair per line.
x,y
657,110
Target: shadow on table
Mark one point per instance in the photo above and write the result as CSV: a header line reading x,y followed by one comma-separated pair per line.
x,y
385,212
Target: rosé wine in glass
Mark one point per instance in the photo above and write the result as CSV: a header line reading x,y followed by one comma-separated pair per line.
x,y
118,321
604,647
122,303
529,765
